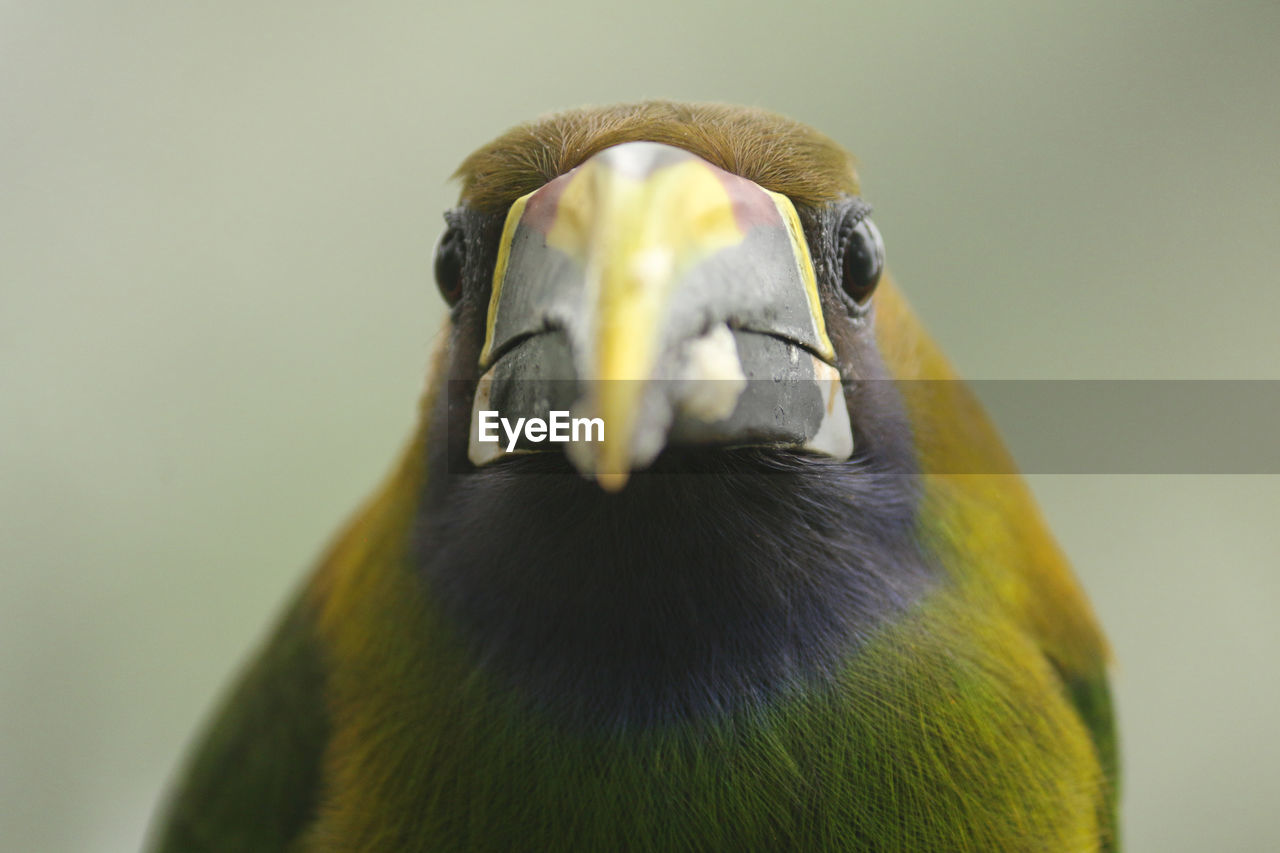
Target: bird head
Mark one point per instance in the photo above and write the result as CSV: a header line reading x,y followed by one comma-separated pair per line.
x,y
675,279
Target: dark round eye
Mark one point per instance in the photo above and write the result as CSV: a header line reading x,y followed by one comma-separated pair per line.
x,y
450,254
861,258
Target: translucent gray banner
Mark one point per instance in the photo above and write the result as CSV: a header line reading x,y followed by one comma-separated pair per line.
x,y
1136,426
1068,426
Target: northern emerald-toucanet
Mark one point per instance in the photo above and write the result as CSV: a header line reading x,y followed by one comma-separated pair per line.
x,y
767,598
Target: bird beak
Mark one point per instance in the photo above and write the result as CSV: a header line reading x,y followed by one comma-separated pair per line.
x,y
668,299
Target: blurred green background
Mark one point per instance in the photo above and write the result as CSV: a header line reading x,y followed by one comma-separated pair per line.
x,y
216,306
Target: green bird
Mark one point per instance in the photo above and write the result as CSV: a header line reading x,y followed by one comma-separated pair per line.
x,y
699,545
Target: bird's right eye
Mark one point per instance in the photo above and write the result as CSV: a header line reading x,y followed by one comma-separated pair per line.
x,y
450,254
861,256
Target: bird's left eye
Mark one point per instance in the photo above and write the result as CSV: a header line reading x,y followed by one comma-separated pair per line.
x,y
861,257
450,254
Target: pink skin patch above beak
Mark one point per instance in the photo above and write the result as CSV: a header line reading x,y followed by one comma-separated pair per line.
x,y
752,207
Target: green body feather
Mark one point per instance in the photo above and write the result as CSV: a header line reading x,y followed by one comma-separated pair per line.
x,y
254,782
949,730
